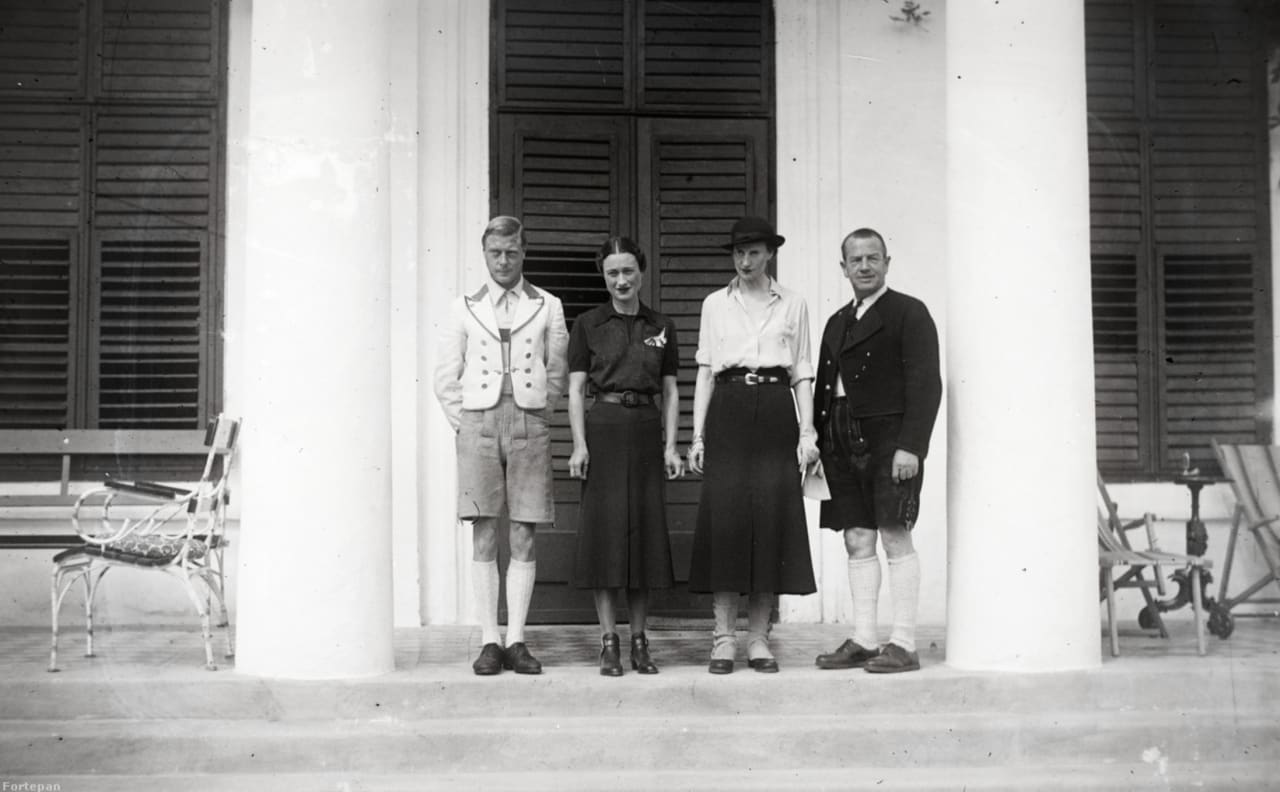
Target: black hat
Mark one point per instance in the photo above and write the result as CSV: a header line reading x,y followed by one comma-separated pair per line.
x,y
753,229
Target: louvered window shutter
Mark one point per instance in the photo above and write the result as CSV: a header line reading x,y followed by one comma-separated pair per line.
x,y
109,212
1179,207
715,67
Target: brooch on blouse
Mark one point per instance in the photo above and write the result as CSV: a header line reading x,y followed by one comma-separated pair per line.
x,y
659,341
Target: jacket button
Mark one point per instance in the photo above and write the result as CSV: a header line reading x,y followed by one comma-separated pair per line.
x,y
484,385
483,342
528,384
528,371
528,354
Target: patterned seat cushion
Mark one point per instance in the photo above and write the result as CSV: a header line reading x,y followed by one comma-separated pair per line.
x,y
144,549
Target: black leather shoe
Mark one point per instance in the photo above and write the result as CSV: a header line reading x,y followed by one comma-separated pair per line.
x,y
765,665
490,660
849,655
893,659
640,660
720,666
517,658
610,656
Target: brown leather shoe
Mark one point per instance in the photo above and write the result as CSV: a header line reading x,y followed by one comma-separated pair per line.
x,y
517,658
610,659
893,659
849,655
490,660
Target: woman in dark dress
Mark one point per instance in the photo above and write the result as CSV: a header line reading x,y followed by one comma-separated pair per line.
x,y
753,432
622,448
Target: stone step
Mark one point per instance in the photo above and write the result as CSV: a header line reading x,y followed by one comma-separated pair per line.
x,y
675,740
1141,775
453,693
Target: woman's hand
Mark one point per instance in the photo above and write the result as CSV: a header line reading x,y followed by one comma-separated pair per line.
x,y
673,462
806,453
695,457
578,461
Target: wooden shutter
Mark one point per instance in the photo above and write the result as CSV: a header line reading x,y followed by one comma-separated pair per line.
x,y
1178,163
160,49
110,151
563,176
36,323
1119,387
42,43
644,118
149,332
571,52
1210,374
707,57
696,178
1112,68
703,57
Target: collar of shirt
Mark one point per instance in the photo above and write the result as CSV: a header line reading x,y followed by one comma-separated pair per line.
x,y
735,287
645,312
496,291
869,301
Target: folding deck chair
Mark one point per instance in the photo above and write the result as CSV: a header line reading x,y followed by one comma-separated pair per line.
x,y
1115,549
147,525
1254,471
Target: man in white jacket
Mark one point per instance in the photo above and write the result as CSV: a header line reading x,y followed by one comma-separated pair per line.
x,y
502,367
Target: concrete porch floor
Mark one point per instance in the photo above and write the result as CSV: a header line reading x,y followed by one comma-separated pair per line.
x,y
144,713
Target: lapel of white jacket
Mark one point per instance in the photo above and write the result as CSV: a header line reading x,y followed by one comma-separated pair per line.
x,y
528,307
481,307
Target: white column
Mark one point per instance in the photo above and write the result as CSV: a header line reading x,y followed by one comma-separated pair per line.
x,y
453,179
1023,590
315,555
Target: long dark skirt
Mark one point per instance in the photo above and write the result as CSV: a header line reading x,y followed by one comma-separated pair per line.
x,y
622,533
751,534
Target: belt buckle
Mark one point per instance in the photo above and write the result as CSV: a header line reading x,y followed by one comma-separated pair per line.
x,y
752,378
630,399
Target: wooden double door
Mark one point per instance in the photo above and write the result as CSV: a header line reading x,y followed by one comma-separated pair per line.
x,y
676,186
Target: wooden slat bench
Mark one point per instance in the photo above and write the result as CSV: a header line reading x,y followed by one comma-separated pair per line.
x,y
42,520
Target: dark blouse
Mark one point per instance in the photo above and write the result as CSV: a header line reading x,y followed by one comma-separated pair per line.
x,y
621,353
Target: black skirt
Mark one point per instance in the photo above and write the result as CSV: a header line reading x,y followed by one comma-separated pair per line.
x,y
751,535
622,530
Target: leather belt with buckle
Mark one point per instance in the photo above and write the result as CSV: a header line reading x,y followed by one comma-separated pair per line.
x,y
750,378
626,398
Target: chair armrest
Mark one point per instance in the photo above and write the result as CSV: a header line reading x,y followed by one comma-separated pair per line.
x,y
149,488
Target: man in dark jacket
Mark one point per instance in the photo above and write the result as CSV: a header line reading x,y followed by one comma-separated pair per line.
x,y
875,401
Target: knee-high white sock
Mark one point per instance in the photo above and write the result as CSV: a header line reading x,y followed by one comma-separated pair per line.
x,y
864,587
724,606
520,578
759,609
904,588
484,583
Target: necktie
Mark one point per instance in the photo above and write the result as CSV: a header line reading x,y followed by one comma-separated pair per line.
x,y
506,307
853,320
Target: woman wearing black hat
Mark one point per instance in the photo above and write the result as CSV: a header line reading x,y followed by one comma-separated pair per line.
x,y
752,436
629,354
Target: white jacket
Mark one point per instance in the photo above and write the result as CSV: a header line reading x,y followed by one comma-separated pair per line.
x,y
468,375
